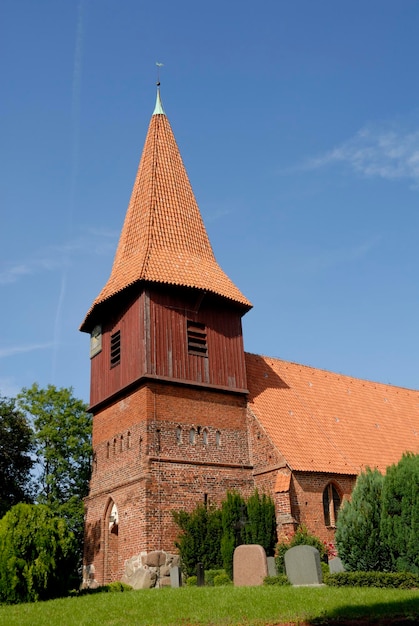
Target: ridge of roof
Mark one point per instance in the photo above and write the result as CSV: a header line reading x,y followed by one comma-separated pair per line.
x,y
331,372
163,239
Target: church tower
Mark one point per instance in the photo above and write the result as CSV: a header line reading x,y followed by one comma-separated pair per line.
x,y
168,376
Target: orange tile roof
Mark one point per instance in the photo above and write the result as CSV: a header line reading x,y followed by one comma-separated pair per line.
x,y
163,239
326,422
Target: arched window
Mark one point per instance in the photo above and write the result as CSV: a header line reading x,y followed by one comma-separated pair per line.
x,y
108,445
121,443
192,435
218,439
178,435
205,437
128,440
331,504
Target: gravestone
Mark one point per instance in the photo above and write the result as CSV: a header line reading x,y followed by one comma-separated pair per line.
x,y
302,565
336,565
175,577
272,571
200,576
250,566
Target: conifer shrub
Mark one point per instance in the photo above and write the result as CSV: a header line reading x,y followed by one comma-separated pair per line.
x,y
199,541
358,535
260,527
400,514
210,535
37,554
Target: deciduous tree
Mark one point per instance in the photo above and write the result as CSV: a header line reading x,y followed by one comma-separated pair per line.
x,y
15,459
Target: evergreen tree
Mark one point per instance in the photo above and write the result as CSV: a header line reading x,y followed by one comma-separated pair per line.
x,y
37,553
261,522
234,518
358,535
400,513
15,458
200,539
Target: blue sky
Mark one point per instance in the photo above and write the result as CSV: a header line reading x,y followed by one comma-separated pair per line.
x,y
298,122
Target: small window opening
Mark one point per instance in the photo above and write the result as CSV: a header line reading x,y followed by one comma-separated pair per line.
x,y
205,437
197,338
218,439
178,435
331,504
128,440
205,500
108,445
192,436
114,446
121,443
116,348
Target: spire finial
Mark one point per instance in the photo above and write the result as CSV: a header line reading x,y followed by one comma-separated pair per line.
x,y
159,65
158,109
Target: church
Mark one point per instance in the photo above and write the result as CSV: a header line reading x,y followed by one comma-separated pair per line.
x,y
182,414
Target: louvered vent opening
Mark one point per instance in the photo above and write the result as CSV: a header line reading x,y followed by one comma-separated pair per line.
x,y
197,339
116,348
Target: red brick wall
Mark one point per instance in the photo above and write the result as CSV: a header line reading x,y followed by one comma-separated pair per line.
x,y
144,466
307,499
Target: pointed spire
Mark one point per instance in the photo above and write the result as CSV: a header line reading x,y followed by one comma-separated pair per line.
x,y
163,239
158,109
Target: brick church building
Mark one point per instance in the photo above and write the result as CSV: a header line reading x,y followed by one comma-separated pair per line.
x,y
182,414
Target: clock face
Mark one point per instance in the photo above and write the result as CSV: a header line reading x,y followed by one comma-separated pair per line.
x,y
95,341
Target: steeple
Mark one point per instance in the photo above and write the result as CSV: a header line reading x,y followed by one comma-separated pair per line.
x,y
163,239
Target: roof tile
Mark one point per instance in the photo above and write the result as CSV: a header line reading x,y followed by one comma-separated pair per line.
x,y
163,239
326,422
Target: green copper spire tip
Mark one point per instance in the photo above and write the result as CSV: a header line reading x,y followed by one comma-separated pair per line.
x,y
158,109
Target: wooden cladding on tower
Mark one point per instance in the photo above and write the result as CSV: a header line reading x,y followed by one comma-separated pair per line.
x,y
197,338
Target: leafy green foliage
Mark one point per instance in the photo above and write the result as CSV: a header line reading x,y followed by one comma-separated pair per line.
x,y
301,537
400,513
37,553
62,431
200,539
277,581
395,580
358,534
15,459
261,523
62,437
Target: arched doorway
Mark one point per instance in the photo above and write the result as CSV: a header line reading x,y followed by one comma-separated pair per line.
x,y
111,529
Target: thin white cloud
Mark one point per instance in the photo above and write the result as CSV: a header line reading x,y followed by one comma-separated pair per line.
x,y
376,151
12,350
58,257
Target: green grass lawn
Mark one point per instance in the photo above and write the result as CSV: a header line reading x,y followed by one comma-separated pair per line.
x,y
224,606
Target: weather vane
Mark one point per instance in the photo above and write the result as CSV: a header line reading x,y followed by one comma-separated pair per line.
x,y
159,65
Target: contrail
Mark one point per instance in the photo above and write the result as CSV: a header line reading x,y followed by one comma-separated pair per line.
x,y
75,111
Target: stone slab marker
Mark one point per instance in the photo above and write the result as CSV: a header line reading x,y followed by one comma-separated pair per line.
x,y
175,577
272,571
250,566
302,565
336,565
